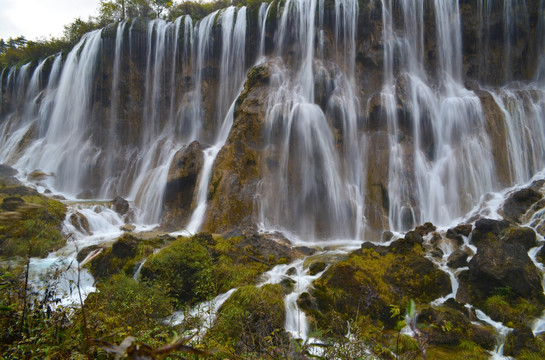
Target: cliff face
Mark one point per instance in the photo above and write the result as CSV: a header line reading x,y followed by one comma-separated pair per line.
x,y
329,119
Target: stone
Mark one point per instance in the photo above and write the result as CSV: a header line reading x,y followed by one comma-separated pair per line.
x,y
521,235
457,259
121,206
127,228
181,186
425,229
519,202
499,264
316,267
7,171
125,247
80,222
487,229
37,175
520,339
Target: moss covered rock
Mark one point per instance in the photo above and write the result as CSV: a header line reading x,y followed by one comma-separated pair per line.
x,y
368,282
252,319
30,223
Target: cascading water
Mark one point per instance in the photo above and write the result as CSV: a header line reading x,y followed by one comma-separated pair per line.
x,y
109,118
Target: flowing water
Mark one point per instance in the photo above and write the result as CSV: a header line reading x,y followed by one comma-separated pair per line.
x,y
108,118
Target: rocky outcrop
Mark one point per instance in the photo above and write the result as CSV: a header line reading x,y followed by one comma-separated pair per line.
x,y
520,202
502,279
241,162
372,279
181,187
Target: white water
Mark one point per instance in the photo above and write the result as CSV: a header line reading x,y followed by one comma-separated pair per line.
x,y
440,165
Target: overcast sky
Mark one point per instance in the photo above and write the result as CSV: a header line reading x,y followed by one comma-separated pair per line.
x,y
36,19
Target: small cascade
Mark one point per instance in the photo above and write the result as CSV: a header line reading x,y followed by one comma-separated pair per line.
x,y
501,330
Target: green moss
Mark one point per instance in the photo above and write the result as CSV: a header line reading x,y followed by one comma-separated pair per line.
x,y
122,306
368,283
251,319
507,307
29,223
184,267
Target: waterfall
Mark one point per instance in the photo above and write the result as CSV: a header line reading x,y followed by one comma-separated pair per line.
x,y
426,182
108,118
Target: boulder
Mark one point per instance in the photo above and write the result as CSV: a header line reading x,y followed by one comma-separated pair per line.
x,y
7,171
127,228
80,222
487,229
368,282
521,338
499,264
316,267
521,235
457,259
121,206
425,229
519,202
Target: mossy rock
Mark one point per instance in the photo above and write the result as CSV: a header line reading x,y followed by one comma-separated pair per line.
x,y
185,268
251,318
119,257
367,283
29,222
447,326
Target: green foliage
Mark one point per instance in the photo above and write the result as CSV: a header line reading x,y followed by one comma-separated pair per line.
x,y
29,223
251,321
181,267
122,306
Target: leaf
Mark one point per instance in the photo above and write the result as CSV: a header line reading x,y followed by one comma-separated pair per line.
x,y
411,309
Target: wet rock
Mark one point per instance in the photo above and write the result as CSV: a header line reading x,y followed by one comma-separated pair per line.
x,y
37,175
406,244
243,161
127,228
291,271
540,256
382,250
305,250
487,230
387,236
83,253
369,282
287,285
499,264
119,257
425,229
80,222
182,184
462,328
521,235
520,339
316,267
457,259
458,232
7,171
437,254
519,202
121,206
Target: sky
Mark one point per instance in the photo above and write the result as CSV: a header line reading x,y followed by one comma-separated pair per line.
x,y
36,19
